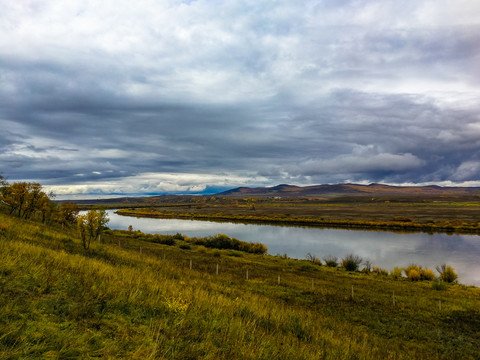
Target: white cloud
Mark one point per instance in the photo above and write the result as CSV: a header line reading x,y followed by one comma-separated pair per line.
x,y
468,170
154,183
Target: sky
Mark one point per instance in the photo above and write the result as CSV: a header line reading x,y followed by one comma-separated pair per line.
x,y
104,98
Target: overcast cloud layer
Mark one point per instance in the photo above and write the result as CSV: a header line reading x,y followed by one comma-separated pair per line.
x,y
152,96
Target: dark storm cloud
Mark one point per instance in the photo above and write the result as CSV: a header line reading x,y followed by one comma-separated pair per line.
x,y
172,96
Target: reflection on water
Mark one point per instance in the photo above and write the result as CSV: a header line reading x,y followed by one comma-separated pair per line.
x,y
384,249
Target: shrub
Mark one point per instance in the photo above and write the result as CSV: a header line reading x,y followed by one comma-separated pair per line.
x,y
201,249
427,274
197,241
330,261
163,239
178,236
351,262
222,241
313,259
414,275
396,273
379,271
367,266
415,267
185,247
258,248
447,273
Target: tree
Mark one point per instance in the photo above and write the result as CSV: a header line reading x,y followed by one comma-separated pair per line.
x,y
46,208
67,214
3,185
91,226
3,181
25,199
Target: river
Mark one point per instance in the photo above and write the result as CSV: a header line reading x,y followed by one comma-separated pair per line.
x,y
383,249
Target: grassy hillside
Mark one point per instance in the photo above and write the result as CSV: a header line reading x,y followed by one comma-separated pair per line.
x,y
130,298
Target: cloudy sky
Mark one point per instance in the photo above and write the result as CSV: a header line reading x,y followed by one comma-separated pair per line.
x,y
156,96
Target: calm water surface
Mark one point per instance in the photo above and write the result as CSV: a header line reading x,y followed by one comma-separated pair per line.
x,y
384,249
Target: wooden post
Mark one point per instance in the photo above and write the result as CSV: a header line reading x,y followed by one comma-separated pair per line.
x,y
163,256
352,292
217,270
190,264
247,274
278,279
312,284
119,243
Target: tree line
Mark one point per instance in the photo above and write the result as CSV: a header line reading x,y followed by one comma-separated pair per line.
x,y
28,200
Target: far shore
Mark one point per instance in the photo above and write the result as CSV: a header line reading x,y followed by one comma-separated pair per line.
x,y
403,225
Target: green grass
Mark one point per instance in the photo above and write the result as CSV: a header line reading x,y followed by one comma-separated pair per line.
x,y
134,299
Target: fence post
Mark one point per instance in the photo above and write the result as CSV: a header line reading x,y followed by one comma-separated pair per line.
x,y
278,279
190,264
247,274
217,270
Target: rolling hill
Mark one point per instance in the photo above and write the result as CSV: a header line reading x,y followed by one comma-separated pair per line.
x,y
325,192
336,190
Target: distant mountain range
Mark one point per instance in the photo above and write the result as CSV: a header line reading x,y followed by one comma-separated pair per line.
x,y
314,191
336,190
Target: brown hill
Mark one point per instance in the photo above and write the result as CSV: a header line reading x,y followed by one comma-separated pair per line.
x,y
337,190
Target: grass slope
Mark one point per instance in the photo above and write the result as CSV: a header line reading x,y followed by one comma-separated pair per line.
x,y
128,298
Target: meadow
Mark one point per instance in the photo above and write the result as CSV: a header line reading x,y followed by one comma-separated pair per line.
x,y
131,296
